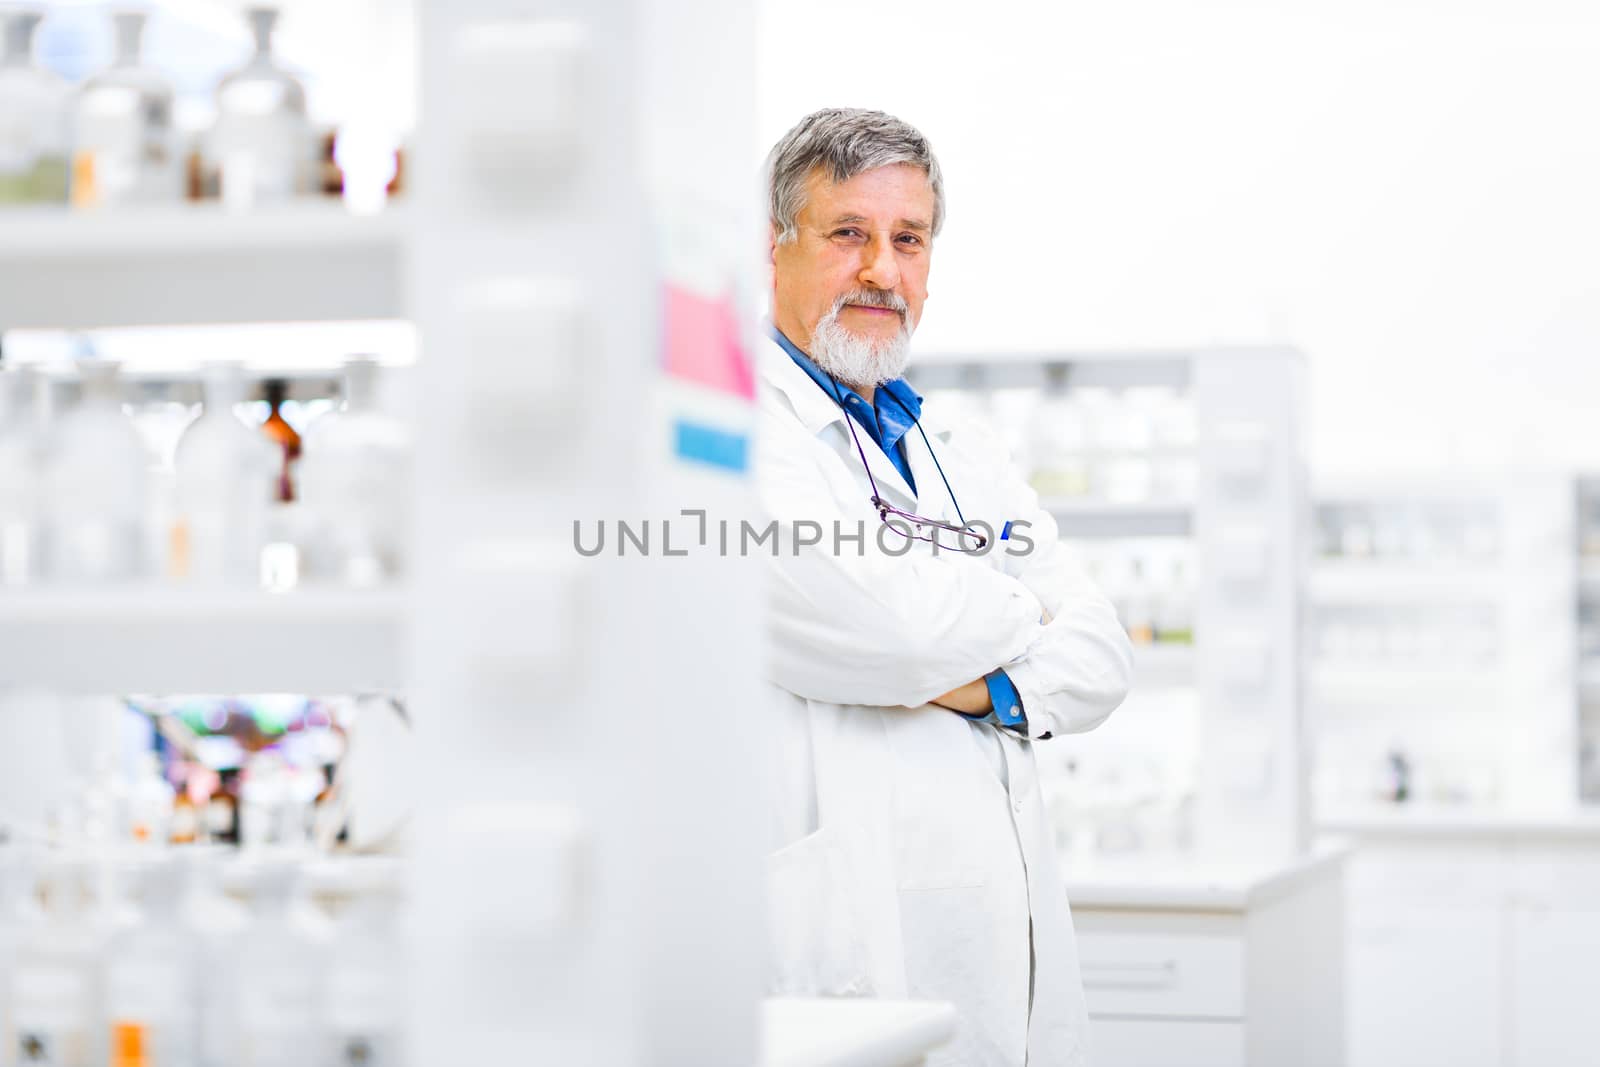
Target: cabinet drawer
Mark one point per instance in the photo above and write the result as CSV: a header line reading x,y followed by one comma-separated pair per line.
x,y
1166,975
1163,1043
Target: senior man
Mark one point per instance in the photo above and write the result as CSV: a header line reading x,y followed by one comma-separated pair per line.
x,y
934,631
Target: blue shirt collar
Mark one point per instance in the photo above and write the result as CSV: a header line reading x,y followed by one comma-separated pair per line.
x,y
891,413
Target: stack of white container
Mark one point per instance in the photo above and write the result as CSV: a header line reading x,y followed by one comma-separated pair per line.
x,y
84,501
151,959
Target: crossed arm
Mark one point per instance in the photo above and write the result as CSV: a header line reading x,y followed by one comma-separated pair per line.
x,y
973,698
919,629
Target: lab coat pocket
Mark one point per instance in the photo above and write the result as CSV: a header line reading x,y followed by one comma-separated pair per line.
x,y
944,806
818,943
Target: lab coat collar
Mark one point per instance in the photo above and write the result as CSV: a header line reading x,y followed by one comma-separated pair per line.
x,y
816,411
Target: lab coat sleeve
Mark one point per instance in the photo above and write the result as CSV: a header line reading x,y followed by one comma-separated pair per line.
x,y
851,627
1078,668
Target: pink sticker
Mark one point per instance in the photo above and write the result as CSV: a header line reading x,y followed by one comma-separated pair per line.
x,y
704,343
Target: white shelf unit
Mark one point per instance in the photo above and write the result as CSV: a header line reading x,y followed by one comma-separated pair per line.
x,y
190,265
1086,517
582,890
1441,633
199,264
547,860
161,639
1245,524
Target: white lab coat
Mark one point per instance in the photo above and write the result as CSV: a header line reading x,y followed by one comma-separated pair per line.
x,y
912,848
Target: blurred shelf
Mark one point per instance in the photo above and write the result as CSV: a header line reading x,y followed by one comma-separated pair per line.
x,y
1105,369
157,638
1113,368
1089,517
183,264
1346,581
1439,820
1164,665
1414,684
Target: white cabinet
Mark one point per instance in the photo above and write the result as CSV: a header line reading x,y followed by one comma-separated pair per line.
x,y
1164,974
1186,966
1424,987
1553,1018
1473,941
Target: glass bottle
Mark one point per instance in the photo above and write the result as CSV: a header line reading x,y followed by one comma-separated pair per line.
x,y
19,914
1139,605
151,803
280,433
213,923
261,146
1057,444
153,978
94,485
126,146
365,995
280,963
1174,619
225,478
19,479
55,1000
35,117
355,480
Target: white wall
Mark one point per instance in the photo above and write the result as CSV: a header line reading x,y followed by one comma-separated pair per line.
x,y
1409,190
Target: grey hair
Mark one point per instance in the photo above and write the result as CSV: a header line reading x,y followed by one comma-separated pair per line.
x,y
844,142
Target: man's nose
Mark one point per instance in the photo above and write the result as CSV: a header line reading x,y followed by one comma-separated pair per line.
x,y
879,268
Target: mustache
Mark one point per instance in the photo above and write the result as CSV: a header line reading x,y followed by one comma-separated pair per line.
x,y
872,298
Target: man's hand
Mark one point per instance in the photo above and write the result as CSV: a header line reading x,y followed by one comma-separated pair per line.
x,y
970,699
973,698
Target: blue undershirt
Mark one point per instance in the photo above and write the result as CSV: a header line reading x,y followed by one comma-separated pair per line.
x,y
894,410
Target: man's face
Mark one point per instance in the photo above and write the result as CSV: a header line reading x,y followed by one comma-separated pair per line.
x,y
873,232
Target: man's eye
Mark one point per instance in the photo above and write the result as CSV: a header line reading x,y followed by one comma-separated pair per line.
x,y
910,239
847,232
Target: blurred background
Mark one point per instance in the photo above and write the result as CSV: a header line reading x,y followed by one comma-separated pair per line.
x,y
1287,309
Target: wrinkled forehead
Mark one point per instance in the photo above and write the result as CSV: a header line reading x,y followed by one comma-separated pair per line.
x,y
899,195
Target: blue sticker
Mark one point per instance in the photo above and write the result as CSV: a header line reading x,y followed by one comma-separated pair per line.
x,y
709,445
1006,532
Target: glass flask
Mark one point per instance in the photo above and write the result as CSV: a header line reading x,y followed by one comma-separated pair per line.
x,y
355,478
35,117
126,146
261,146
225,481
95,472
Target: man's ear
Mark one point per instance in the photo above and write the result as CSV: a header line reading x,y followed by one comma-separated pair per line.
x,y
772,245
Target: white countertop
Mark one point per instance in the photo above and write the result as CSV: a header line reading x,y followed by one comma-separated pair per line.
x,y
1178,882
849,1032
1436,821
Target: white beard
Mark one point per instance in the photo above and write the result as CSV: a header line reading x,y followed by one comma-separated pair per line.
x,y
860,361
